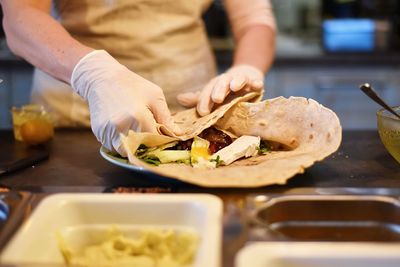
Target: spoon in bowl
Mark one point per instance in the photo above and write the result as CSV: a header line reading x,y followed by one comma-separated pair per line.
x,y
367,89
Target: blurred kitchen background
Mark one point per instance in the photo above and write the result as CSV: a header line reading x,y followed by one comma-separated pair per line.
x,y
325,50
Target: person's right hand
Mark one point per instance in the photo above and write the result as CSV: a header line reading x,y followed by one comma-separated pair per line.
x,y
119,100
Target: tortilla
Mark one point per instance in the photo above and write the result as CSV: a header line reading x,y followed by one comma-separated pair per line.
x,y
311,131
194,124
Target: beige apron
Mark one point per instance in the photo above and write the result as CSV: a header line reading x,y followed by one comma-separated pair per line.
x,y
162,40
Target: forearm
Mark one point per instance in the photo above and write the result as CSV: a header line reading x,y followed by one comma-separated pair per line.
x,y
256,47
35,36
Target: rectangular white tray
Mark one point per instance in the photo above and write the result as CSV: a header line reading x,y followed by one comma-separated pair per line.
x,y
36,243
319,254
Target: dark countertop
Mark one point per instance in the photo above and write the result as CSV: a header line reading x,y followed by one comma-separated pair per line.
x,y
360,166
74,161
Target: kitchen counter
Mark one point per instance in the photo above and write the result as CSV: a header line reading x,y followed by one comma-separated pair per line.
x,y
225,57
74,161
360,166
388,59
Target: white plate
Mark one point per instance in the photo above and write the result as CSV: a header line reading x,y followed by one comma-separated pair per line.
x,y
79,215
120,161
319,254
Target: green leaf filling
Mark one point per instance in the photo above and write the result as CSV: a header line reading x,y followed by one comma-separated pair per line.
x,y
141,150
151,160
217,161
157,156
264,148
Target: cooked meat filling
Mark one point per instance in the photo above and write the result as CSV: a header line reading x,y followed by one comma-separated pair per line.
x,y
218,140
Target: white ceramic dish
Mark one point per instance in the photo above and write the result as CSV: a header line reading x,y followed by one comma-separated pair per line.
x,y
318,254
81,214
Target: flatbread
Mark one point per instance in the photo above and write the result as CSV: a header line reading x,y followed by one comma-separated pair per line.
x,y
312,131
194,124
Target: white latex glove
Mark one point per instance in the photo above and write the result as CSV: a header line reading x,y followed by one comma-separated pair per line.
x,y
239,77
119,100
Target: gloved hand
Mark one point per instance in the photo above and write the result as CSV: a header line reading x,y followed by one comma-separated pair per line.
x,y
119,100
239,77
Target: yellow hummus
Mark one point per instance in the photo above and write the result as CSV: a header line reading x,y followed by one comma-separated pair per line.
x,y
151,248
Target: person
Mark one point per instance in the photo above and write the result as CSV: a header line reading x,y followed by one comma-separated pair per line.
x,y
115,64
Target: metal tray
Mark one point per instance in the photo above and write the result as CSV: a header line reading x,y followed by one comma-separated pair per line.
x,y
324,218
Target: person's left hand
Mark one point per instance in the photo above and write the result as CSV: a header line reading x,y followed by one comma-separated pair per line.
x,y
239,77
